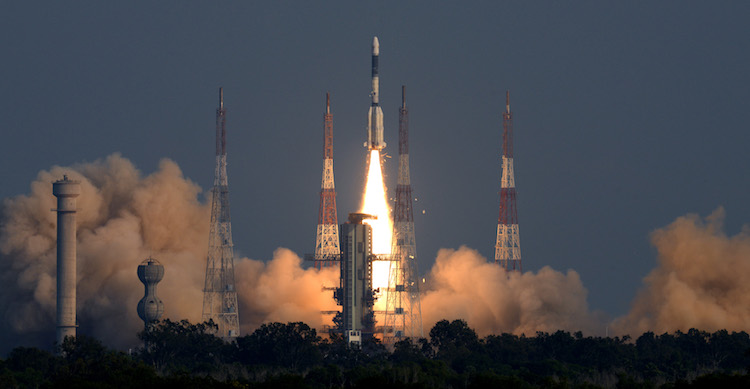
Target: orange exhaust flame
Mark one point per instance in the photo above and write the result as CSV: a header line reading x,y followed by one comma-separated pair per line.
x,y
376,203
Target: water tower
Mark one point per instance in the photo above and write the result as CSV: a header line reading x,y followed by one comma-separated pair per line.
x,y
150,308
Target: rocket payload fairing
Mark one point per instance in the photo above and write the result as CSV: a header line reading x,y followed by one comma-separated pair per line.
x,y
375,116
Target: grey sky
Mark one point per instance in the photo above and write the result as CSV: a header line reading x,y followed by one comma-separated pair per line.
x,y
627,114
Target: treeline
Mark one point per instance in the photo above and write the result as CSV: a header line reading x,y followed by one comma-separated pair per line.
x,y
185,355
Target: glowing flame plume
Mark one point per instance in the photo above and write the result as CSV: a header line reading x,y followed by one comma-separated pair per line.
x,y
376,203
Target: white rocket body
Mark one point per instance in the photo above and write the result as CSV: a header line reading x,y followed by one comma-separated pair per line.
x,y
375,115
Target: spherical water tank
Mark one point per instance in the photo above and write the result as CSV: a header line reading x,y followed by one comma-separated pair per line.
x,y
150,308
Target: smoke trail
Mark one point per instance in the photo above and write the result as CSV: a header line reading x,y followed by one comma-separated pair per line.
x,y
123,218
463,285
700,282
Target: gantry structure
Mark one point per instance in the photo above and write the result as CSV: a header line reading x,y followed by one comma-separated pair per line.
x,y
403,317
219,293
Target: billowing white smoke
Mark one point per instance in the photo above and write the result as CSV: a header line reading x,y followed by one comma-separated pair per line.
x,y
124,218
282,291
463,285
701,280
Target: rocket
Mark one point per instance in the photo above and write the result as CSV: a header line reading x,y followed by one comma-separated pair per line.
x,y
375,116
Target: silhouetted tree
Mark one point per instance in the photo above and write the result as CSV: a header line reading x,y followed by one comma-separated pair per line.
x,y
455,343
173,346
291,345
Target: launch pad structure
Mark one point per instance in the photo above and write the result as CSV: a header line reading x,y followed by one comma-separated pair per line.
x,y
355,293
357,253
403,315
508,244
219,293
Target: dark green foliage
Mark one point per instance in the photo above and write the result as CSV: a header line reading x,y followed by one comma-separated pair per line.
x,y
448,337
27,368
172,347
405,351
329,376
277,355
715,380
292,345
84,363
489,379
456,344
87,363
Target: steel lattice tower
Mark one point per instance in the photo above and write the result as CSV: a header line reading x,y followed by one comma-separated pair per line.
x,y
403,308
327,238
508,246
219,294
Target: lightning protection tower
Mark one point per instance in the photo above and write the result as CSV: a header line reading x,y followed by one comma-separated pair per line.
x,y
327,238
403,316
219,294
508,246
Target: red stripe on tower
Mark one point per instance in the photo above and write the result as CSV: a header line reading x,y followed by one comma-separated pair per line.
x,y
327,238
508,245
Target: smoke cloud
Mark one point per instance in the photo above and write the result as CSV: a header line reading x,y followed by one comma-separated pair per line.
x,y
282,291
123,218
463,285
700,281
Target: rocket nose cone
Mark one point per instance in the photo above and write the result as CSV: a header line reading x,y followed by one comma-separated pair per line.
x,y
375,46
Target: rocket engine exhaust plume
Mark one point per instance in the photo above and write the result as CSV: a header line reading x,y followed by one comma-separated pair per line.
x,y
124,218
376,203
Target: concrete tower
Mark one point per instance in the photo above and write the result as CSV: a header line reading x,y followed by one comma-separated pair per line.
x,y
219,294
508,244
150,308
327,237
403,308
66,192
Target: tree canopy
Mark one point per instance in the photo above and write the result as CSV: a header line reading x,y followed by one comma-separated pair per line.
x,y
179,353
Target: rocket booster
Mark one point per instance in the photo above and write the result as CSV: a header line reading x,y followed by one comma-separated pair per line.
x,y
375,116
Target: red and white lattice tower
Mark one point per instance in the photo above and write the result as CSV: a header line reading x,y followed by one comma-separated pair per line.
x,y
327,238
508,246
403,308
219,293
